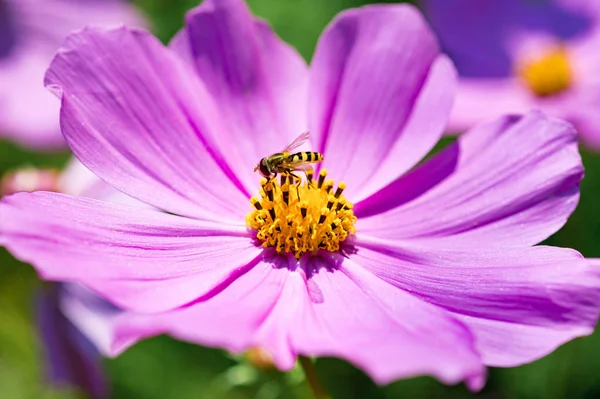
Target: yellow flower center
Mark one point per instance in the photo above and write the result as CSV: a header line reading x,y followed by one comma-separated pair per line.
x,y
301,216
549,74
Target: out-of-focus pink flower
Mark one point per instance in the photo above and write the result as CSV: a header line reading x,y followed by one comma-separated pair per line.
x,y
29,179
513,56
31,31
441,277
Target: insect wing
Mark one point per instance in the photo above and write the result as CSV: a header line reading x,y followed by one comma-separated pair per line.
x,y
302,166
298,141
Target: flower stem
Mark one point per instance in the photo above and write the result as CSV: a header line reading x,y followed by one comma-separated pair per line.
x,y
311,377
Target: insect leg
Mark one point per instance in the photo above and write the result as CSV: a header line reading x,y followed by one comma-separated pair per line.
x,y
292,177
270,179
309,175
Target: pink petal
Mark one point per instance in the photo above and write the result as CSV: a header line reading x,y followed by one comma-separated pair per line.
x,y
502,96
347,313
135,114
257,80
513,182
78,180
230,319
140,259
520,304
508,96
582,110
90,314
385,331
380,95
40,27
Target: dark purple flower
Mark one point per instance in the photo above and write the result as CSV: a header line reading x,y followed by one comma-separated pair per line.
x,y
516,55
441,276
30,33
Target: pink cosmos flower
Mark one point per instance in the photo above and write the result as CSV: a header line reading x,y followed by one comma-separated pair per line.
x,y
30,33
403,270
514,55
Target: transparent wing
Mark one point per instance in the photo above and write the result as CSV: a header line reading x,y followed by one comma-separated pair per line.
x,y
303,166
298,141
299,165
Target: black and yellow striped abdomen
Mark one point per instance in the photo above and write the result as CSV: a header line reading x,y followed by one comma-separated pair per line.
x,y
304,157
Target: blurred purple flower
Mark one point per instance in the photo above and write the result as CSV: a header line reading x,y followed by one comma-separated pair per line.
x,y
515,55
30,33
441,278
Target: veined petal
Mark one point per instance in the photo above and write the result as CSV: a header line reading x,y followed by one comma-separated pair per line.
x,y
520,303
352,314
420,132
136,115
346,313
517,174
258,81
376,75
230,319
140,259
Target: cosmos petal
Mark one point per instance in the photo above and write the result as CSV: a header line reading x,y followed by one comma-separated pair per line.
x,y
140,126
503,96
229,319
139,259
519,303
387,332
376,75
258,81
514,174
346,313
75,179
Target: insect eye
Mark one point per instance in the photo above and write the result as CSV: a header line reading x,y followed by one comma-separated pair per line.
x,y
264,168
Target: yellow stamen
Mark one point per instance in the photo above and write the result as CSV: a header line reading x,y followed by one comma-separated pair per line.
x,y
301,217
549,74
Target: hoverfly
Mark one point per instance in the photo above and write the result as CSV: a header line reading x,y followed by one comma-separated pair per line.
x,y
286,163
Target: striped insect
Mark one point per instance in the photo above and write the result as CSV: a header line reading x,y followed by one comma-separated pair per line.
x,y
286,163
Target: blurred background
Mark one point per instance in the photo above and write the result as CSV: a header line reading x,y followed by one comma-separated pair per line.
x,y
164,368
